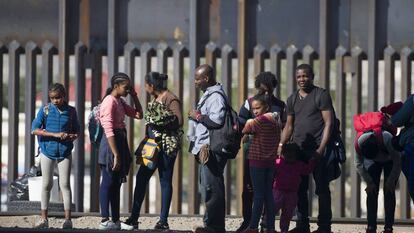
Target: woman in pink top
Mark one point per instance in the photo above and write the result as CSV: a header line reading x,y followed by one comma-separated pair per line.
x,y
114,156
286,183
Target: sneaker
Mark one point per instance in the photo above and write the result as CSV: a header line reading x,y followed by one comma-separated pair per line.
x,y
371,230
161,226
242,227
42,224
109,225
250,230
300,230
129,222
67,224
126,227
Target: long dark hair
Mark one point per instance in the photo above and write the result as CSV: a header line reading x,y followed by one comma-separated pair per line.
x,y
116,79
157,80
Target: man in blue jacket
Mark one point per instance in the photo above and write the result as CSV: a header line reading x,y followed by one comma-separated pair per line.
x,y
209,114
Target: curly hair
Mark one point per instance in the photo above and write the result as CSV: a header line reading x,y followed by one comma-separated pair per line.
x,y
268,79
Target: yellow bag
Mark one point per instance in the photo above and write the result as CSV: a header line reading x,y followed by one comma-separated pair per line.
x,y
147,153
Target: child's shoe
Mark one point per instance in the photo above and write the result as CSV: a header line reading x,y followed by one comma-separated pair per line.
x,y
42,224
67,224
161,226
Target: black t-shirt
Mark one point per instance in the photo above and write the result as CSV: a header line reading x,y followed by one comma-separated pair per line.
x,y
307,113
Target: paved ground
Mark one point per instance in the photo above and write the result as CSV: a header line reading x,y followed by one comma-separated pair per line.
x,y
177,224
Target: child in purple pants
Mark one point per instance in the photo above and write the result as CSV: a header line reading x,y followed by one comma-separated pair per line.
x,y
286,183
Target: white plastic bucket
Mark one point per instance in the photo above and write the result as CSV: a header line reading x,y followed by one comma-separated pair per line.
x,y
35,189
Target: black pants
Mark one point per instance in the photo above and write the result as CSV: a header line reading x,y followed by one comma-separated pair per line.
x,y
375,171
320,175
165,166
247,194
212,192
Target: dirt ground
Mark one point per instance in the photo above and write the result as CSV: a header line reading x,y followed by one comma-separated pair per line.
x,y
178,224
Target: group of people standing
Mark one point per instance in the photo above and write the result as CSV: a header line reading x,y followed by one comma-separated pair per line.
x,y
282,143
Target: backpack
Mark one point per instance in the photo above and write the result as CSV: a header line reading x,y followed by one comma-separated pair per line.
x,y
226,139
370,122
94,126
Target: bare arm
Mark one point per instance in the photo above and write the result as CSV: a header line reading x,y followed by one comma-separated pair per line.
x,y
112,145
328,120
286,132
138,106
44,133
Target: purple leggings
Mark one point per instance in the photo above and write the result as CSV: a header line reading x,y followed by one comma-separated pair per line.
x,y
285,201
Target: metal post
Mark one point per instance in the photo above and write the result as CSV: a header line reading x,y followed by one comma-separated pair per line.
x,y
30,102
112,37
243,83
193,196
64,44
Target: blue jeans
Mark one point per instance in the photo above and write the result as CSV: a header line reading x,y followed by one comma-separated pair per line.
x,y
262,181
165,166
324,196
109,193
407,167
212,192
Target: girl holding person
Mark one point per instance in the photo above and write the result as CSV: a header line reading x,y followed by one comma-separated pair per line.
x,y
114,155
56,126
163,120
266,128
265,83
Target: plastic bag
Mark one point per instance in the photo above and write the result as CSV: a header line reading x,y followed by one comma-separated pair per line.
x,y
19,189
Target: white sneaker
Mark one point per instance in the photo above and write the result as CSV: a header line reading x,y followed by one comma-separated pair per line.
x,y
67,224
109,225
42,224
127,227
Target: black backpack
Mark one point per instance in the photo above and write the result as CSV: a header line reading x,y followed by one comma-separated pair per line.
x,y
226,139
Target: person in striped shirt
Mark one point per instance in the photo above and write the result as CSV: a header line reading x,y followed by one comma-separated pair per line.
x,y
265,128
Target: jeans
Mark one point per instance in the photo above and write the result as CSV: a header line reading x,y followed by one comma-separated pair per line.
x,y
109,193
407,167
213,192
324,197
262,180
165,166
375,171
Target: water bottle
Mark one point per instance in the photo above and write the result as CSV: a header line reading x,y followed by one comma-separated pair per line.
x,y
191,130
